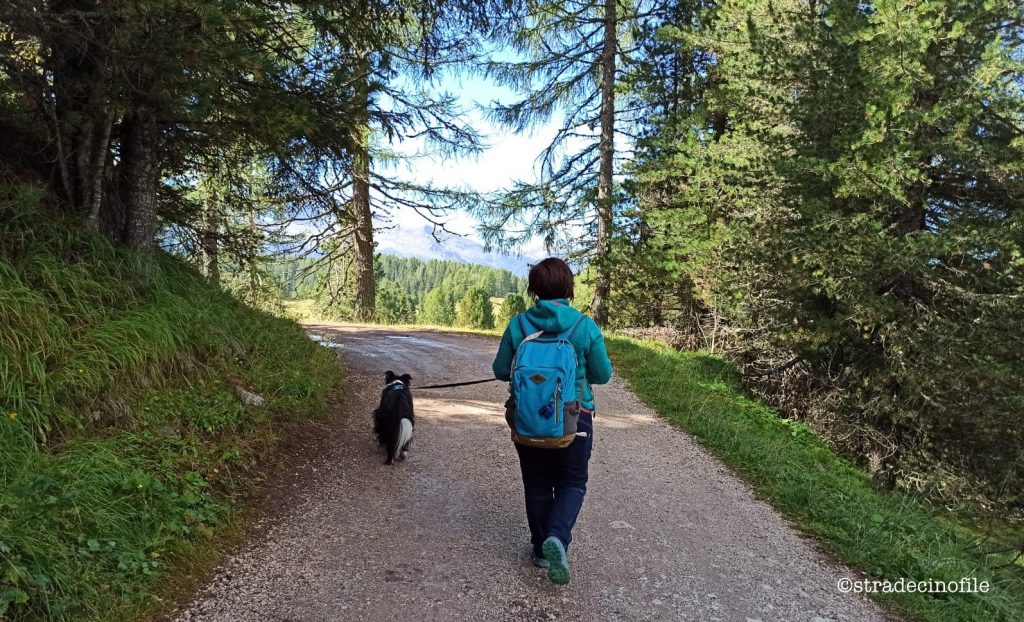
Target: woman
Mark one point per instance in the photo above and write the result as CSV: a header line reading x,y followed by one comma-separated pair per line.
x,y
555,480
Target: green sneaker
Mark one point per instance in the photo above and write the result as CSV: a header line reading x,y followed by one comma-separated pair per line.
x,y
538,560
558,561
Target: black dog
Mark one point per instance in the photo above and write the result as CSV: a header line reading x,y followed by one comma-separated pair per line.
x,y
393,420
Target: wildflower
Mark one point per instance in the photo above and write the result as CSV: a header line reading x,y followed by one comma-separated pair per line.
x,y
139,486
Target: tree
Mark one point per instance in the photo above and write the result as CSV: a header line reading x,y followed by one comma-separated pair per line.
x,y
570,52
474,310
652,249
606,149
854,217
510,306
439,306
362,213
394,306
112,106
393,103
137,114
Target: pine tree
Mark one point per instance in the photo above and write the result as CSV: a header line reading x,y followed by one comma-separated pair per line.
x,y
511,305
394,306
110,107
854,214
426,38
474,310
439,306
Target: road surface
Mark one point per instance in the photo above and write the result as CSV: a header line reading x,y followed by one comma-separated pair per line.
x,y
666,533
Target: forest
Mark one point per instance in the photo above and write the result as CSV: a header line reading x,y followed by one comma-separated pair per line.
x,y
407,291
829,194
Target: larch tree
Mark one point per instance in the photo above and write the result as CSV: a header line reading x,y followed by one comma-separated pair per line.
x,y
395,103
566,58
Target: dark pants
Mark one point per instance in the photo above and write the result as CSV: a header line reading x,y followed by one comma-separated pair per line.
x,y
555,482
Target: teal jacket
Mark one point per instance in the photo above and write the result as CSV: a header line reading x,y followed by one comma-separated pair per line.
x,y
556,316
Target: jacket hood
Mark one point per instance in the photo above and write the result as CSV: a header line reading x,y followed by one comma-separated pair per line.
x,y
553,316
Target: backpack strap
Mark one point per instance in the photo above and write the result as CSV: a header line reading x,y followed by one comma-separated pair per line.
x,y
525,324
528,328
569,333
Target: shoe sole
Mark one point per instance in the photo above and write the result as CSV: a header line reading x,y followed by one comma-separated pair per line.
x,y
558,566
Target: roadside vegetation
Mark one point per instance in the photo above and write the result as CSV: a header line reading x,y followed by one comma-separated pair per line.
x,y
886,535
407,291
126,443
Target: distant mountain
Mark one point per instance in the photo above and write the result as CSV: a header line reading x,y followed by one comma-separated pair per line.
x,y
419,243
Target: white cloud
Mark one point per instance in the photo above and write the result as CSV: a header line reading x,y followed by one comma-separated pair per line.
x,y
412,237
508,158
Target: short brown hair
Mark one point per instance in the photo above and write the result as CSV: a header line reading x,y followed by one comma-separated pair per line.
x,y
551,279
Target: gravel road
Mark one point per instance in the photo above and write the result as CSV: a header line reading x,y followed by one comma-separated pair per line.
x,y
666,533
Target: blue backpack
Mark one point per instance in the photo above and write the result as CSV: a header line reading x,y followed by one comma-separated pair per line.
x,y
544,407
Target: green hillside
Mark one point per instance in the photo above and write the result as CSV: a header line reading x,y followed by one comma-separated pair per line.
x,y
125,443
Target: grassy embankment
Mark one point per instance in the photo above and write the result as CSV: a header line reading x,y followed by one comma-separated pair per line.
x,y
888,536
124,448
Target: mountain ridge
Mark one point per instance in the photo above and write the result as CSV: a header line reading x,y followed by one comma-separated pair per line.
x,y
420,243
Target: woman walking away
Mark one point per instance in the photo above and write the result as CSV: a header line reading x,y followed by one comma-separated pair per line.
x,y
551,354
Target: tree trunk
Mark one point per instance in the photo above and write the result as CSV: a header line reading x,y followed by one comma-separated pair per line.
x,y
365,282
208,238
82,125
602,287
252,255
366,295
97,168
82,147
139,177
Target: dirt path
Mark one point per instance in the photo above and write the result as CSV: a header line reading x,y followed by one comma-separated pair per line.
x,y
666,533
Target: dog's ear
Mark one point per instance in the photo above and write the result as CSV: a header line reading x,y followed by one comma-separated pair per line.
x,y
407,379
389,377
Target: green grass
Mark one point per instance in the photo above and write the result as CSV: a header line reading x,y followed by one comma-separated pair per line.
x,y
304,310
889,536
301,309
123,448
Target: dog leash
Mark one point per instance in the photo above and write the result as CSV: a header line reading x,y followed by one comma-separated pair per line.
x,y
455,384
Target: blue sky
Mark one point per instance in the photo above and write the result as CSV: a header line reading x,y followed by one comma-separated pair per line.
x,y
508,157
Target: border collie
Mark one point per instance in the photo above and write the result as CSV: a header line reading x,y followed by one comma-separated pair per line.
x,y
393,420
